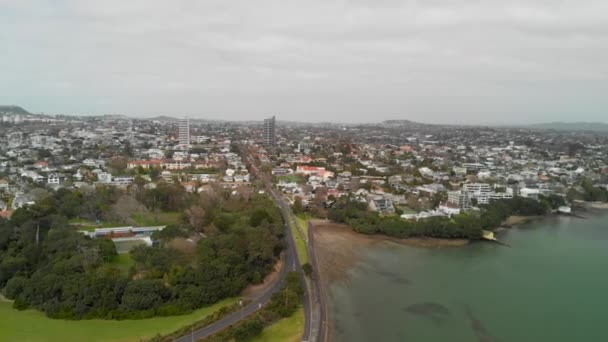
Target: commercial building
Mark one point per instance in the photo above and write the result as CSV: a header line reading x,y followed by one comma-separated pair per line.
x,y
184,132
270,138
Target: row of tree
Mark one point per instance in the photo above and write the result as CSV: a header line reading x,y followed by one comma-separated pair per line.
x,y
465,225
355,213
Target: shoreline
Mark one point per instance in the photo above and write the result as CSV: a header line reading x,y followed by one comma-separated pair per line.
x,y
339,248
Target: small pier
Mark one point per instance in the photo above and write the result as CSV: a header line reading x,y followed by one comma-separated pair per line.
x,y
489,236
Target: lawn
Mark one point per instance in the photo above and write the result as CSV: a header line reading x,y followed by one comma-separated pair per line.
x,y
291,178
34,326
90,225
123,262
300,244
288,329
406,209
157,218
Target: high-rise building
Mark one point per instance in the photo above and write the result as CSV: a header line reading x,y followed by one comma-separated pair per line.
x,y
270,137
184,131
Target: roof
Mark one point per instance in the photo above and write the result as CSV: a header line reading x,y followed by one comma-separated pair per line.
x,y
310,168
145,162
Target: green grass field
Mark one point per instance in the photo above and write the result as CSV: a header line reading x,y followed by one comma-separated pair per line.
x,y
288,329
34,326
291,178
157,218
300,244
123,262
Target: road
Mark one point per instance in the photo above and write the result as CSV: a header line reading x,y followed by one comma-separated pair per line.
x,y
290,265
313,308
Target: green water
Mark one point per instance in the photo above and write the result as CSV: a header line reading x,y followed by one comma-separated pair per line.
x,y
551,285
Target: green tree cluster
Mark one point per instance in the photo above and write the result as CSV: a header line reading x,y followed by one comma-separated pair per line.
x,y
46,264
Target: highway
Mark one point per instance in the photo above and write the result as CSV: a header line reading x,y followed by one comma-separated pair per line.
x,y
314,308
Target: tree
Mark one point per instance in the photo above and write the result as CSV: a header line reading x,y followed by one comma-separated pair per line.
x,y
248,329
297,205
307,268
154,173
144,295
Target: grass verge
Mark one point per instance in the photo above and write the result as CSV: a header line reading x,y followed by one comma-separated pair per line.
x,y
288,329
34,326
300,244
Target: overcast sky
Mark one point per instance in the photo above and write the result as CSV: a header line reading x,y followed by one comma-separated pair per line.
x,y
436,61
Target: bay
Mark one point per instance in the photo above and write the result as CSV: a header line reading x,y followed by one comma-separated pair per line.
x,y
550,285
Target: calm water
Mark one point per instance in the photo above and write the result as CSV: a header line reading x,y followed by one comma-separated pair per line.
x,y
551,285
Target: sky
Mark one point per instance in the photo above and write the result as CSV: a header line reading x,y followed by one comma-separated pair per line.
x,y
434,61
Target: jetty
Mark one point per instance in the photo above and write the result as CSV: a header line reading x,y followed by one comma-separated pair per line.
x,y
490,236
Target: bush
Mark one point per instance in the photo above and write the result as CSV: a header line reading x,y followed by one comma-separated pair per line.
x,y
307,268
248,330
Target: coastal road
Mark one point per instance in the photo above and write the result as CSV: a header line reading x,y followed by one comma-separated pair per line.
x,y
290,261
291,264
313,301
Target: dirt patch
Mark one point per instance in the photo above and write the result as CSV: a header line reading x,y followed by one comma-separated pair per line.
x,y
598,205
253,291
338,247
515,220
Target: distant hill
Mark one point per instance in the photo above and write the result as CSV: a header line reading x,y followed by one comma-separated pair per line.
x,y
15,110
162,118
572,126
397,122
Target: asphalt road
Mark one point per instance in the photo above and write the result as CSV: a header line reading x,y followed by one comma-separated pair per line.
x,y
291,263
254,305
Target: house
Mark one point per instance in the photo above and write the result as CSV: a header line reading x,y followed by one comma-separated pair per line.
x,y
53,179
314,171
6,214
426,172
41,164
145,164
529,193
172,164
22,200
381,205
279,171
104,177
459,199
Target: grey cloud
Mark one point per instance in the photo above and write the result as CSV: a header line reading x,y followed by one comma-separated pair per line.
x,y
433,60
